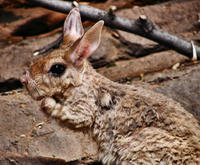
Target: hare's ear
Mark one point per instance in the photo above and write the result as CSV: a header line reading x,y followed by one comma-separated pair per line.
x,y
73,28
87,45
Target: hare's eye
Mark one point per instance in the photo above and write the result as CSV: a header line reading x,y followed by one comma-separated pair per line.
x,y
57,70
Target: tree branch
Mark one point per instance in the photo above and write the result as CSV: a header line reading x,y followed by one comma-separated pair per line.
x,y
142,26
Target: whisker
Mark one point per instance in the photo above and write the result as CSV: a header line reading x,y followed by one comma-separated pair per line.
x,y
35,86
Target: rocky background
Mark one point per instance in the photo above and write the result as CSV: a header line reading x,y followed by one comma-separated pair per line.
x,y
27,136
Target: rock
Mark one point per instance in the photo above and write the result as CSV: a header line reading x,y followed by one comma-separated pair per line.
x,y
184,88
26,130
16,58
175,17
25,22
11,158
135,67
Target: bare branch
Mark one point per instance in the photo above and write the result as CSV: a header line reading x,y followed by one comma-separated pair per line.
x,y
54,44
142,26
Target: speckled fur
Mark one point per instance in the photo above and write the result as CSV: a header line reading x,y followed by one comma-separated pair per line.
x,y
131,125
136,127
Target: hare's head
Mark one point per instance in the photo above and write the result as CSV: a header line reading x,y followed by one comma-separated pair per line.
x,y
63,68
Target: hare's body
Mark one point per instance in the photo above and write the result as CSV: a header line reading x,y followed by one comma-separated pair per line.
x,y
131,125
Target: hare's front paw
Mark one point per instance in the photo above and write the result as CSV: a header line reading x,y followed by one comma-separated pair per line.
x,y
77,116
50,106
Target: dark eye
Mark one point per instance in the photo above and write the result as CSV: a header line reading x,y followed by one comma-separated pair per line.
x,y
57,70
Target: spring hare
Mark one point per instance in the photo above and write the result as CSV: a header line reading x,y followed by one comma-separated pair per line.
x,y
131,125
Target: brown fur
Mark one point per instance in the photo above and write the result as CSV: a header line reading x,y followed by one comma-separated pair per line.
x,y
131,125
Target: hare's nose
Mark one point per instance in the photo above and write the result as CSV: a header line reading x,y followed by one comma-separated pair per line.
x,y
24,79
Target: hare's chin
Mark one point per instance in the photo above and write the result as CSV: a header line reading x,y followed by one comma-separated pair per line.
x,y
35,95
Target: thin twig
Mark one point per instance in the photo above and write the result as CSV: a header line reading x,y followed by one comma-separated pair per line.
x,y
52,45
141,26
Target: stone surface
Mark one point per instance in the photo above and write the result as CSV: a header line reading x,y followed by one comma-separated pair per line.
x,y
26,130
184,87
16,58
11,158
176,17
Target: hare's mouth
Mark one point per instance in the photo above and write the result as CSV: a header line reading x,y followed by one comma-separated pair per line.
x,y
58,98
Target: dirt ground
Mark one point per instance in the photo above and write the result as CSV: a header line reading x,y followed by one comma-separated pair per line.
x,y
28,136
